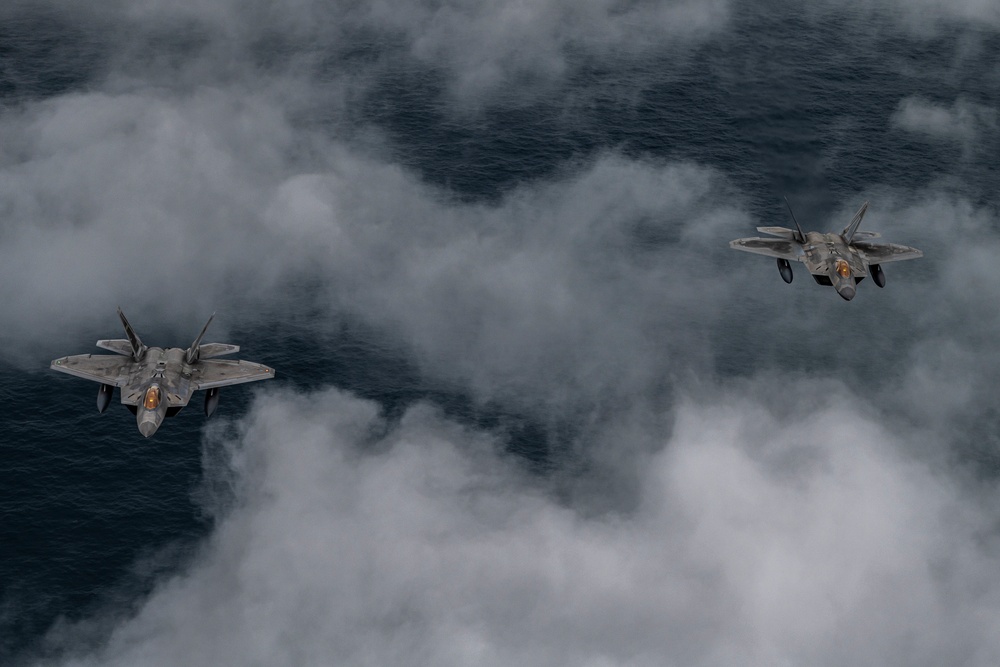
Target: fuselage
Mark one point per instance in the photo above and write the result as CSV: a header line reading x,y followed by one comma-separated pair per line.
x,y
829,256
159,381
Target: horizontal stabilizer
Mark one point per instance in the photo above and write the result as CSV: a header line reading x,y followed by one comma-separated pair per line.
x,y
118,346
209,350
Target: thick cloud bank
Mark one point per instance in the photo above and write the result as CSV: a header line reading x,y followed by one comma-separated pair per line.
x,y
759,539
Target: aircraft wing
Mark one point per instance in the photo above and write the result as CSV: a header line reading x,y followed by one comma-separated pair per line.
x,y
771,247
880,253
105,368
222,372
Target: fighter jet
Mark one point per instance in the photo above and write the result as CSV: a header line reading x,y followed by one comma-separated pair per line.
x,y
839,260
156,383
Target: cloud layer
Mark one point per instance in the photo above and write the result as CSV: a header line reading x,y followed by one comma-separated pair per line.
x,y
755,473
758,539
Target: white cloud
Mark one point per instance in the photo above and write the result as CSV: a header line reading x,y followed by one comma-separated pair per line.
x,y
963,122
758,539
590,298
175,206
484,47
593,290
131,199
491,45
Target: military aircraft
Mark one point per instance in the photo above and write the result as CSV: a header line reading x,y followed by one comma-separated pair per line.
x,y
839,260
156,382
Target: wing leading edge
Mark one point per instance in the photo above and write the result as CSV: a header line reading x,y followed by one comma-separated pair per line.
x,y
223,372
880,253
103,368
771,247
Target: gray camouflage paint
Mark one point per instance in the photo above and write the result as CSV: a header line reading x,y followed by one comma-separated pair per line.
x,y
840,260
157,382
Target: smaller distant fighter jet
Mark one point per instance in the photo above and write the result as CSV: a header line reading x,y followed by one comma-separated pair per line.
x,y
156,383
838,260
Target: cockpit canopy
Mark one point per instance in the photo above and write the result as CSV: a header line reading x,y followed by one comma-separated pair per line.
x,y
842,268
152,399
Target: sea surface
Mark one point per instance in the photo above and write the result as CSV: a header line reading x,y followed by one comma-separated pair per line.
x,y
781,102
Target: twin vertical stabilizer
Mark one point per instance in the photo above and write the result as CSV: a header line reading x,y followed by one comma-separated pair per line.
x,y
138,349
849,230
192,352
801,238
208,350
135,348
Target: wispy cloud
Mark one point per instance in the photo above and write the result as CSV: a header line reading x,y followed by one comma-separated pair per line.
x,y
927,17
963,122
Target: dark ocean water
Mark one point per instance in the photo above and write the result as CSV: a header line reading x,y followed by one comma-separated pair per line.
x,y
92,514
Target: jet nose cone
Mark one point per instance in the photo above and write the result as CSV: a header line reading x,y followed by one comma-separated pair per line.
x,y
847,292
147,428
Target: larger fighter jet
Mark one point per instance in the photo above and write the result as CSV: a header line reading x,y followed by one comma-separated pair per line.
x,y
839,260
156,383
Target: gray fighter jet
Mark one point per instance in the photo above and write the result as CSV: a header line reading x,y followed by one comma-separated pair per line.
x,y
839,260
156,382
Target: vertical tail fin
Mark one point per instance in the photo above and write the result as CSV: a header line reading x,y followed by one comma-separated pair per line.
x,y
192,352
801,238
849,230
138,349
